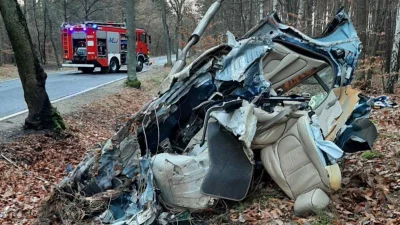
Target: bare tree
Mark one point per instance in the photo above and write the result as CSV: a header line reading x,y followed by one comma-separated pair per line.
x,y
33,78
380,19
131,57
275,5
1,42
394,60
361,22
177,6
163,8
51,35
89,7
35,18
44,9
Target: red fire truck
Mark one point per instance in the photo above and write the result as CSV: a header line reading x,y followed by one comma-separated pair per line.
x,y
93,44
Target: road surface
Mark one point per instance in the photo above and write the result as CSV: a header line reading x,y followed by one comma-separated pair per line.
x,y
59,85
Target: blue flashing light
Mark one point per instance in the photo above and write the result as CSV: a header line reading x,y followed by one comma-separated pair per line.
x,y
84,28
71,28
94,26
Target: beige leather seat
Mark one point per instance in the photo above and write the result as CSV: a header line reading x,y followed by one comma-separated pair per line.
x,y
289,155
293,161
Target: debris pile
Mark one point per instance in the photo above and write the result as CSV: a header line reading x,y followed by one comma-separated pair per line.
x,y
274,97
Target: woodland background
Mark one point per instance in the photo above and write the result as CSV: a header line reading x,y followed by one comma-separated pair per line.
x,y
370,191
377,23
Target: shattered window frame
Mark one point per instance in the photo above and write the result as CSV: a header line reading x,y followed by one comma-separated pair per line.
x,y
317,80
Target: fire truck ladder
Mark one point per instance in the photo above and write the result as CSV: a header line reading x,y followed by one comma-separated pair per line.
x,y
65,43
122,25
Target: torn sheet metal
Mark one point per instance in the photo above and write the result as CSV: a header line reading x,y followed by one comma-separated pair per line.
x,y
332,151
189,70
358,136
242,123
241,56
338,44
132,207
120,174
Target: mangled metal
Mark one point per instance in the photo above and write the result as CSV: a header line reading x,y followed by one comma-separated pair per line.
x,y
275,96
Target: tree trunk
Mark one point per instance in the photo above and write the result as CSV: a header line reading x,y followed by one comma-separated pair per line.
x,y
380,20
275,5
394,60
166,31
65,10
261,16
53,43
300,16
313,18
26,10
242,18
362,16
87,11
1,42
37,30
44,31
33,78
131,56
251,14
177,38
181,29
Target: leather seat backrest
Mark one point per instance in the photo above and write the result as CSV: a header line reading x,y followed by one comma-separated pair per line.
x,y
293,162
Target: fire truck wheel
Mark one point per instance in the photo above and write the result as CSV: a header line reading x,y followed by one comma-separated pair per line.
x,y
105,69
114,65
86,69
139,66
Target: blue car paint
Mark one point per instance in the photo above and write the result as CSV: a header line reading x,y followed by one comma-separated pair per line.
x,y
339,36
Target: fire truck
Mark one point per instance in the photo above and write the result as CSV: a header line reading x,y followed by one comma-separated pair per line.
x,y
94,44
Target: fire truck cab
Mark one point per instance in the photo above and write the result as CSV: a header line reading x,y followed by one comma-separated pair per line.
x,y
93,44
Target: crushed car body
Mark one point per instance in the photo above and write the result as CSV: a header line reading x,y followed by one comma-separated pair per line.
x,y
274,96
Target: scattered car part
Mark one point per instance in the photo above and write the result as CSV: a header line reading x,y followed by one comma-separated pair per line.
x,y
269,93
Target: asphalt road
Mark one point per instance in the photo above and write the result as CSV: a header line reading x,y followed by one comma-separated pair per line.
x,y
59,85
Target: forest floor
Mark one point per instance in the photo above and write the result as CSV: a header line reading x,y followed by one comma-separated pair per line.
x,y
33,163
9,71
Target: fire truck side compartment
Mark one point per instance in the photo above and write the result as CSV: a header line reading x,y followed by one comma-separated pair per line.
x,y
113,46
101,43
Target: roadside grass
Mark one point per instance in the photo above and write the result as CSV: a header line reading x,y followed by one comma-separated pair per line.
x,y
8,72
133,84
371,155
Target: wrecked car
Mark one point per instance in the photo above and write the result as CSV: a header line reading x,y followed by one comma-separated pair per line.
x,y
274,96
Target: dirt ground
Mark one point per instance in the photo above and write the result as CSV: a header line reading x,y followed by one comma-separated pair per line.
x,y
9,71
32,163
